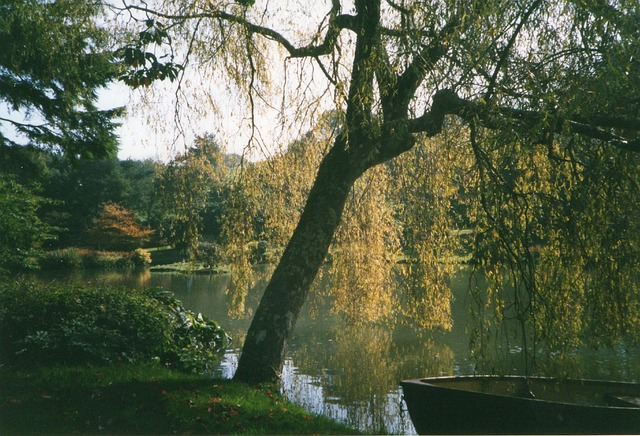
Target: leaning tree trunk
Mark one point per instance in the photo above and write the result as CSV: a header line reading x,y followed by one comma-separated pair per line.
x,y
263,352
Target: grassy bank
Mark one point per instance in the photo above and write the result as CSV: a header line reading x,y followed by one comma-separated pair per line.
x,y
145,399
90,360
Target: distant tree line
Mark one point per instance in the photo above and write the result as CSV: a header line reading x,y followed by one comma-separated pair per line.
x,y
51,201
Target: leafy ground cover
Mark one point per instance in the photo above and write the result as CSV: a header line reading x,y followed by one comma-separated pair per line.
x,y
145,399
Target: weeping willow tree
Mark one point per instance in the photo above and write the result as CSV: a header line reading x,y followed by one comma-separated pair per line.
x,y
432,182
548,93
555,237
182,189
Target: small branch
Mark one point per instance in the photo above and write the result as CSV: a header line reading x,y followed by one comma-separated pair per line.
x,y
25,125
508,47
399,8
326,73
336,24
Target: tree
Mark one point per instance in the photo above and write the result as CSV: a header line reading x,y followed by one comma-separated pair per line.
x,y
54,60
138,192
22,233
530,80
183,188
117,228
80,189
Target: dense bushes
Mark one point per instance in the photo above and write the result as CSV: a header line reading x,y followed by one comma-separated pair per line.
x,y
44,324
76,258
210,253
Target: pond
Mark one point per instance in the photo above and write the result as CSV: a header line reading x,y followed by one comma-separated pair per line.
x,y
351,373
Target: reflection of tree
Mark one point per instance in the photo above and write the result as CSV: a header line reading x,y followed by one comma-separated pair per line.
x,y
138,279
245,289
366,364
430,357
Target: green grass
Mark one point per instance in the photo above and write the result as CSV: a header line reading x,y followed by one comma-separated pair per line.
x,y
145,399
190,268
167,259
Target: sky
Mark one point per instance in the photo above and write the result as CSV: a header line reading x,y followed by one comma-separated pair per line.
x,y
134,138
151,130
148,131
159,129
155,128
137,140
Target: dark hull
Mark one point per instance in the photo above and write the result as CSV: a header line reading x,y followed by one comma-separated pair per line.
x,y
503,405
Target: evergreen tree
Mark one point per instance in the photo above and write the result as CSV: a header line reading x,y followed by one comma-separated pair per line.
x,y
22,233
54,59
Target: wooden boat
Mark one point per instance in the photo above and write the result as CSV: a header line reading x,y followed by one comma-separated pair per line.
x,y
519,405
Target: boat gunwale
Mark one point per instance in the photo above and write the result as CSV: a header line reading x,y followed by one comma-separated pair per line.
x,y
425,381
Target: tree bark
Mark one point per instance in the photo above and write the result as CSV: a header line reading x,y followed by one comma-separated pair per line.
x,y
263,352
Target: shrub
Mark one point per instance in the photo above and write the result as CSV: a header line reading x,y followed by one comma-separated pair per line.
x,y
74,258
74,325
141,257
67,258
105,259
209,253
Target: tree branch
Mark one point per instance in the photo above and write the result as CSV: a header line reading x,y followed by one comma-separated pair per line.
x,y
360,97
505,52
447,102
337,22
415,73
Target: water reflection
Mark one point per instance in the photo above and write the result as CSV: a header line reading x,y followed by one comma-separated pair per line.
x,y
351,373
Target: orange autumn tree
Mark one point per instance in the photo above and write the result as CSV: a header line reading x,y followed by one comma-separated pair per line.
x,y
117,228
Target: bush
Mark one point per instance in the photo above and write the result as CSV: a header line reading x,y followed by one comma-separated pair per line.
x,y
75,258
209,253
67,258
105,259
141,257
72,325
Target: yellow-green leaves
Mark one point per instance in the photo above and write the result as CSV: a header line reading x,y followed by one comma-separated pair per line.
x,y
364,252
183,188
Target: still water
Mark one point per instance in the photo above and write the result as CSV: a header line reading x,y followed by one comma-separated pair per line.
x,y
351,373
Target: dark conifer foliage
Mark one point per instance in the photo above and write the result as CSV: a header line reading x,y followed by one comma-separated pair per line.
x,y
54,59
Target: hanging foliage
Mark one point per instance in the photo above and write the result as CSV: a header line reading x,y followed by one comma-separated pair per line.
x,y
182,189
